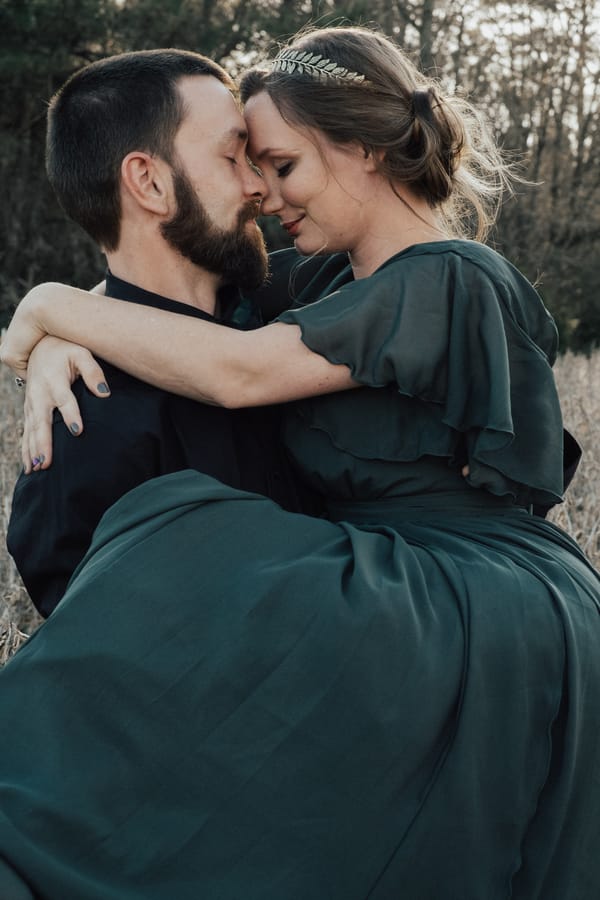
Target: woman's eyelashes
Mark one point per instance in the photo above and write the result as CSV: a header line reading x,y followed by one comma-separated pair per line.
x,y
283,170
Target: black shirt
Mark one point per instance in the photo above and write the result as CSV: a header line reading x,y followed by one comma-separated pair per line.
x,y
140,432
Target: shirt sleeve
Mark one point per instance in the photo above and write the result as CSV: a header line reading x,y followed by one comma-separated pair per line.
x,y
55,511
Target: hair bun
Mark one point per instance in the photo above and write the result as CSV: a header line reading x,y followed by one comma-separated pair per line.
x,y
421,104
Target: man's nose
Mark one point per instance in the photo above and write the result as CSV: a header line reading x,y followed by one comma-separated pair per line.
x,y
254,185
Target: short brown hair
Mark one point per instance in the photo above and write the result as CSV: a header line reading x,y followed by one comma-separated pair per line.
x,y
105,111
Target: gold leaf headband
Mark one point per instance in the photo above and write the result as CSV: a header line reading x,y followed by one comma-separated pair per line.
x,y
303,62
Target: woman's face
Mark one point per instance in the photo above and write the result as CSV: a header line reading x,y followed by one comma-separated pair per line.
x,y
318,190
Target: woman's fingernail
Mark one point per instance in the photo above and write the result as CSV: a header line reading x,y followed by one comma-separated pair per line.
x,y
74,428
35,461
41,458
103,388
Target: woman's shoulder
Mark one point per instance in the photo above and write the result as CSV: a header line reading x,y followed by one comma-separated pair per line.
x,y
451,255
430,279
468,275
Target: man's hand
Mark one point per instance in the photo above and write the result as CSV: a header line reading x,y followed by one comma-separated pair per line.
x,y
53,367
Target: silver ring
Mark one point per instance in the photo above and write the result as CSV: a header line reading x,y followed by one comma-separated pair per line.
x,y
20,382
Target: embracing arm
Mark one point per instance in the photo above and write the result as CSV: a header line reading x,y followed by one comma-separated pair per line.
x,y
184,355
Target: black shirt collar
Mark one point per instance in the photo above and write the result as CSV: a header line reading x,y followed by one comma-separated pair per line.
x,y
124,290
237,310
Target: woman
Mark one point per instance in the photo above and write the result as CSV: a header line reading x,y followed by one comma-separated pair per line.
x,y
400,701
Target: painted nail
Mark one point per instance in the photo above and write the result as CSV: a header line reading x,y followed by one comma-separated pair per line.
x,y
41,458
74,428
35,461
103,388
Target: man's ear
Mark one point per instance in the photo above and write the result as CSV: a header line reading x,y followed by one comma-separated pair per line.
x,y
147,180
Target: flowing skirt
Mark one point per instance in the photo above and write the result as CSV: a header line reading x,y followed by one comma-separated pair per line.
x,y
233,702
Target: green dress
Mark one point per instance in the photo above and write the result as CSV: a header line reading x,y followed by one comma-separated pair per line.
x,y
398,702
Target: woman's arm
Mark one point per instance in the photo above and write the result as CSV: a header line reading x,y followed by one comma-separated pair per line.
x,y
184,355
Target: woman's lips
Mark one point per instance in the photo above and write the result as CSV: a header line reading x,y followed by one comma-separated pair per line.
x,y
292,226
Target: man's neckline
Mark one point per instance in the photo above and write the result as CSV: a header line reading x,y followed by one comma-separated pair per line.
x,y
124,290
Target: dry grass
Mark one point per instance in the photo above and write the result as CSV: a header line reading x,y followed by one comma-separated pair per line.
x,y
578,379
18,618
579,384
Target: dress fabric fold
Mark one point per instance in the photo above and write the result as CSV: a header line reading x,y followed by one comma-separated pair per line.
x,y
235,702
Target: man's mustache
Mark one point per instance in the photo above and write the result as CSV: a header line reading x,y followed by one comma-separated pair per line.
x,y
249,211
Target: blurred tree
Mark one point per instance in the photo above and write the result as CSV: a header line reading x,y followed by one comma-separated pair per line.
x,y
546,102
535,69
41,43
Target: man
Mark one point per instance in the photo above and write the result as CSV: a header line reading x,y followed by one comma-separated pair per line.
x,y
147,152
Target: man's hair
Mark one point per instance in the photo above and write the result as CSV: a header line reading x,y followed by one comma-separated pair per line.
x,y
105,111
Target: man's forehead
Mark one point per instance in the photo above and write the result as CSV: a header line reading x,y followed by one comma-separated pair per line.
x,y
210,106
237,134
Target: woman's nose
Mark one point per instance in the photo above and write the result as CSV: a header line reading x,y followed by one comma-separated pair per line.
x,y
271,203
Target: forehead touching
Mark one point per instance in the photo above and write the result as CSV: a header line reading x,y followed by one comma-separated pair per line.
x,y
211,115
269,135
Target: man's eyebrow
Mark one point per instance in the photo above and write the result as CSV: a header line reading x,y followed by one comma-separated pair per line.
x,y
235,133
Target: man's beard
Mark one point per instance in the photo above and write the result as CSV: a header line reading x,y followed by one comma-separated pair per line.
x,y
239,256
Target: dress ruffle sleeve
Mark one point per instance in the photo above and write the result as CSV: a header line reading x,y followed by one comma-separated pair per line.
x,y
457,328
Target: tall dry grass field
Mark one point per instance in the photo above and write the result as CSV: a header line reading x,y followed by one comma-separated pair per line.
x,y
17,615
578,380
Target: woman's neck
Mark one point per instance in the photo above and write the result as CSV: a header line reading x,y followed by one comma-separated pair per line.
x,y
399,220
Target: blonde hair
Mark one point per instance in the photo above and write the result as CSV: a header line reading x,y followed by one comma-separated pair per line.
x,y
437,144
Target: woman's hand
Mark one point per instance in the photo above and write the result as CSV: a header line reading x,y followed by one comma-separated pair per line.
x,y
53,366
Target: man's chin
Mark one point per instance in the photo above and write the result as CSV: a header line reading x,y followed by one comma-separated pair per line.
x,y
253,273
253,234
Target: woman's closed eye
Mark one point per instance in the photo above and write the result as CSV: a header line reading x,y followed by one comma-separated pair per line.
x,y
283,170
